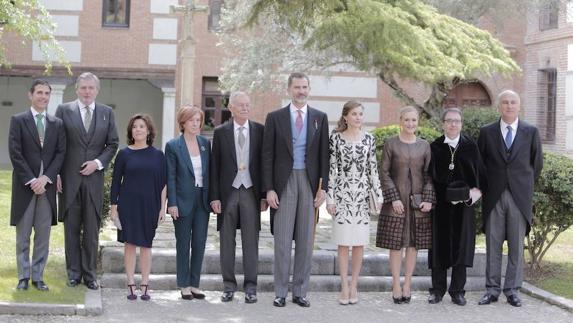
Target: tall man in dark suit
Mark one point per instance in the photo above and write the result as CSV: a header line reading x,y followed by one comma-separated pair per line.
x,y
295,157
511,151
92,143
37,146
235,193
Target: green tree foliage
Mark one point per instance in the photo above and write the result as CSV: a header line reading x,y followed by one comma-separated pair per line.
x,y
553,206
395,40
32,22
477,117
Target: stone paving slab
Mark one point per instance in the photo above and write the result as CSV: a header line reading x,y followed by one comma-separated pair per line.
x,y
167,306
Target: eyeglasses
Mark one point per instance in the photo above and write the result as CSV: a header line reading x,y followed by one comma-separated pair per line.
x,y
454,122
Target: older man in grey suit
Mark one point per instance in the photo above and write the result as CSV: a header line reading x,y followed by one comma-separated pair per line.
x,y
295,157
91,145
37,145
511,151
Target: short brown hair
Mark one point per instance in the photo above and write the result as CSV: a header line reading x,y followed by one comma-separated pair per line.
x,y
297,75
187,112
148,123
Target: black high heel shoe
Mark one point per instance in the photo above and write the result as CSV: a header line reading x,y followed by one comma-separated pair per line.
x,y
144,296
398,300
406,300
131,296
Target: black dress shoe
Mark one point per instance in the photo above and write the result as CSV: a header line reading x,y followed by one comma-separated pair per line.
x,y
92,284
459,299
186,296
434,298
227,296
301,301
487,299
73,282
198,295
279,302
40,285
250,298
514,300
22,284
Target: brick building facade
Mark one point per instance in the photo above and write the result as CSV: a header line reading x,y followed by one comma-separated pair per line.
x,y
132,46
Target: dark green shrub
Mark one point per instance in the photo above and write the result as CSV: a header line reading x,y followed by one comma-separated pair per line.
x,y
552,206
106,192
477,117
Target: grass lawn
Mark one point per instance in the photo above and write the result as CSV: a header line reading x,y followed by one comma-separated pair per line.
x,y
55,272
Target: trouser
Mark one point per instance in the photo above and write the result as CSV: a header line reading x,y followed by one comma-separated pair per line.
x,y
241,208
191,230
81,234
38,215
294,218
505,222
457,282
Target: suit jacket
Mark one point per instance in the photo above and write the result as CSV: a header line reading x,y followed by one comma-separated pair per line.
x,y
516,169
100,142
27,155
224,166
278,151
181,177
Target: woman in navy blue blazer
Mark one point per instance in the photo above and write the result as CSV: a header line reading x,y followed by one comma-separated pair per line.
x,y
187,197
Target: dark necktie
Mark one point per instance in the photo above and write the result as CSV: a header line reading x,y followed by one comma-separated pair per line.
x,y
509,137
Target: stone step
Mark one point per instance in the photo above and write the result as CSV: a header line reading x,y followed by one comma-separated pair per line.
x,y
323,263
318,283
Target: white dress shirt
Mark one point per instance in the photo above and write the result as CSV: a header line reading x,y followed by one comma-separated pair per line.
x,y
513,126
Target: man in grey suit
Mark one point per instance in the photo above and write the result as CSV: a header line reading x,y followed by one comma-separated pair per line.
x,y
295,157
511,151
235,194
91,145
37,145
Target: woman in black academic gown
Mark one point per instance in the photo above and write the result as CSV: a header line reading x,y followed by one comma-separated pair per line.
x,y
455,159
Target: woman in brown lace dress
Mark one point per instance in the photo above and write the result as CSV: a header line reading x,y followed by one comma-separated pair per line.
x,y
408,198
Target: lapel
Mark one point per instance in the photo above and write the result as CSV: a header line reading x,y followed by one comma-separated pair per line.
x,y
50,129
204,158
229,134
285,126
31,125
499,140
518,140
185,154
77,117
252,142
311,127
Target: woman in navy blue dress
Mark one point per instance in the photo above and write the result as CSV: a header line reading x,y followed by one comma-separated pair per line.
x,y
138,197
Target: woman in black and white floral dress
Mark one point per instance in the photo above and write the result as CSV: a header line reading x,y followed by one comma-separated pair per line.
x,y
353,179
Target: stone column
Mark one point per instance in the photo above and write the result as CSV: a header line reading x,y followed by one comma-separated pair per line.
x,y
168,126
56,97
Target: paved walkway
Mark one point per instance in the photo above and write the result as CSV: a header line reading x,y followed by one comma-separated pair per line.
x,y
167,306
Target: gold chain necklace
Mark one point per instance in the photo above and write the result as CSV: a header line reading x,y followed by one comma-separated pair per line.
x,y
452,155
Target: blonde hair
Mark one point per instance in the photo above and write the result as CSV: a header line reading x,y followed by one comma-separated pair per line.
x,y
408,109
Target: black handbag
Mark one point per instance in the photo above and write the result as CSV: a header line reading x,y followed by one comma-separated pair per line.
x,y
457,191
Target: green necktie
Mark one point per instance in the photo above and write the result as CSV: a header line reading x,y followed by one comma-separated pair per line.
x,y
40,125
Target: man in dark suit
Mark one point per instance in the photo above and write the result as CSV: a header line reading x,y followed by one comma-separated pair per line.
x,y
235,194
91,145
511,151
37,145
295,157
